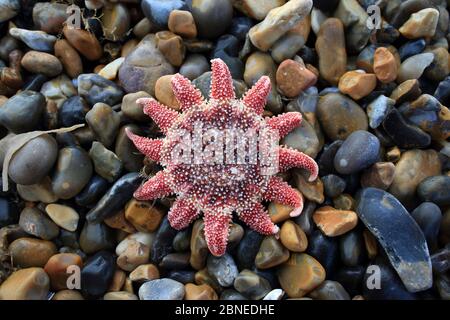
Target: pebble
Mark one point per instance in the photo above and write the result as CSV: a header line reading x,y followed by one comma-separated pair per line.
x,y
411,48
277,22
134,254
329,290
34,222
26,284
72,172
158,12
126,151
92,192
421,24
194,66
424,164
115,22
312,191
120,295
10,8
94,88
413,67
357,84
385,65
50,17
58,89
36,40
97,274
407,251
212,17
380,175
64,216
334,222
290,70
251,285
230,294
42,63
164,92
378,109
304,139
23,167
330,47
111,69
352,250
39,192
104,122
333,185
133,110
57,268
144,272
172,47
84,42
248,248
95,237
23,111
119,222
428,216
29,252
143,67
9,213
182,23
340,116
293,237
271,253
72,111
106,163
223,269
162,245
162,289
359,151
199,292
143,215
67,295
435,189
300,275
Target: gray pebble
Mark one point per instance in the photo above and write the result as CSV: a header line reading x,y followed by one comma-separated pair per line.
x,y
106,163
223,268
36,223
161,289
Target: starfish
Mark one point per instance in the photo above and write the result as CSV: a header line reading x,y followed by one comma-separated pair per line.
x,y
212,181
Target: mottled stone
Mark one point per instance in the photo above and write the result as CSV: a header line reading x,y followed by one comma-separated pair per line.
x,y
413,67
293,77
271,253
96,89
29,252
334,222
106,163
223,269
97,274
293,237
378,109
26,284
143,215
34,222
384,65
64,216
357,84
162,289
251,285
104,122
421,24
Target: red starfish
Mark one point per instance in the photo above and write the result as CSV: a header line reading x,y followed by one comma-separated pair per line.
x,y
209,184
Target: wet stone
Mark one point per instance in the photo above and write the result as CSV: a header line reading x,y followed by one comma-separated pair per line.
x,y
84,42
293,237
133,255
64,216
36,40
133,110
223,268
95,237
104,122
95,88
435,189
305,220
334,222
411,48
329,290
158,12
97,274
428,216
230,294
194,66
201,292
9,213
26,284
212,17
125,149
143,215
352,249
251,285
324,249
378,109
72,111
248,249
162,245
56,268
182,23
92,192
271,253
144,272
413,67
106,163
172,47
29,252
34,222
380,175
162,289
357,84
333,185
181,276
382,214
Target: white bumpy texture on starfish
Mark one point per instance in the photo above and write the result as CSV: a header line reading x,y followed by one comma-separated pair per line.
x,y
218,189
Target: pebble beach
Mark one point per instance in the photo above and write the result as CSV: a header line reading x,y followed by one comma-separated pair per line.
x,y
371,79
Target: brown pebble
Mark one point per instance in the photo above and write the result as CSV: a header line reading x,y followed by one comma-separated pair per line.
x,y
293,237
42,62
57,269
203,277
293,77
120,295
134,255
26,284
68,295
69,58
145,272
30,252
117,281
385,65
84,42
164,92
313,191
271,253
406,91
334,222
357,84
172,47
143,215
380,176
200,292
182,23
118,221
344,201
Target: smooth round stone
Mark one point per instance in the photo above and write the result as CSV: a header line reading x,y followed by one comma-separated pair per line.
x,y
119,222
49,17
24,169
133,110
359,151
293,237
333,185
144,66
326,158
351,246
413,67
133,255
141,237
212,17
194,66
120,295
115,21
9,213
26,284
94,88
72,173
144,215
329,290
407,251
57,268
158,11
162,289
223,269
95,237
251,285
424,163
334,222
271,253
248,248
300,275
10,8
435,189
104,122
85,42
171,46
69,58
380,175
92,192
36,40
182,276
68,295
36,223
200,292
162,244
164,92
428,216
275,294
182,23
340,116
29,252
125,149
411,48
106,163
182,240
42,63
144,272
378,109
72,111
324,249
97,274
230,294
293,77
64,216
23,111
176,261
304,139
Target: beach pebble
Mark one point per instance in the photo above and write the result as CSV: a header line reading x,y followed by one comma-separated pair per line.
x,y
421,24
36,40
57,268
251,285
293,78
36,223
158,11
97,274
182,23
164,92
172,47
84,42
194,66
64,216
435,189
94,88
357,84
223,269
95,237
115,21
143,215
380,175
330,290
428,216
212,17
334,222
29,252
106,163
26,284
378,109
42,63
384,65
10,8
199,292
413,67
162,289
49,17
104,122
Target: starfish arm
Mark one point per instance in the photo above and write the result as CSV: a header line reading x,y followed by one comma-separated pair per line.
x,y
182,213
221,81
256,97
217,225
185,92
162,115
155,188
257,218
285,122
279,191
149,147
289,158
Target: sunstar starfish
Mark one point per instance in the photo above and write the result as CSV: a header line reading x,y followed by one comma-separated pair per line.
x,y
208,184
